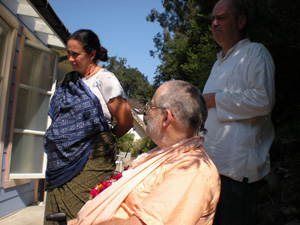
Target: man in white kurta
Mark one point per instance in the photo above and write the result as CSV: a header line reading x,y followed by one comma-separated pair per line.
x,y
240,130
240,95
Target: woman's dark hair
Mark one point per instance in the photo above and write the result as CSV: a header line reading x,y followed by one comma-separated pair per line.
x,y
90,41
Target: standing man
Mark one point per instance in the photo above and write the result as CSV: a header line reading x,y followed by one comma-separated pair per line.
x,y
239,94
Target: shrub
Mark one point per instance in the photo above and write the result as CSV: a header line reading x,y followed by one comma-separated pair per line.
x,y
142,145
125,142
136,147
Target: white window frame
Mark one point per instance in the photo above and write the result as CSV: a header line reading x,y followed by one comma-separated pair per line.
x,y
13,179
6,73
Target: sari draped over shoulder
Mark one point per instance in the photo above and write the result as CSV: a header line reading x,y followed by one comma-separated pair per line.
x,y
105,205
77,117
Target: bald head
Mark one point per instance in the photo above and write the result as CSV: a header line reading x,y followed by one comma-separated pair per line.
x,y
185,101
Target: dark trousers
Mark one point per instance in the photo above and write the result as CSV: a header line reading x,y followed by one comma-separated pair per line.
x,y
238,202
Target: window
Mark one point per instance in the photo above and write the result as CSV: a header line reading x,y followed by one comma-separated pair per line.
x,y
8,35
4,31
36,82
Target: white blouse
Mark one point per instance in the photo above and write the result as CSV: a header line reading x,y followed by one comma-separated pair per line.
x,y
105,85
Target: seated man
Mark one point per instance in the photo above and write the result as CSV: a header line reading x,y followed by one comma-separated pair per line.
x,y
176,182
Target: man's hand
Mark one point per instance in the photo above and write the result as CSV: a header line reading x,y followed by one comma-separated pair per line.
x,y
210,100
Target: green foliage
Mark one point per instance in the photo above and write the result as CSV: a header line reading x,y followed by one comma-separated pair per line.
x,y
186,47
136,147
132,80
125,142
142,145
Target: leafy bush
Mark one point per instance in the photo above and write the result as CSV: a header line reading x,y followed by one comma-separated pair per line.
x,y
142,145
136,147
125,142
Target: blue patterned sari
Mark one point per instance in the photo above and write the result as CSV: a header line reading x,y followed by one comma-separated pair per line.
x,y
77,118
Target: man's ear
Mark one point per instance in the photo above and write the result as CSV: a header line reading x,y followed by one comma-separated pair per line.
x,y
168,118
242,20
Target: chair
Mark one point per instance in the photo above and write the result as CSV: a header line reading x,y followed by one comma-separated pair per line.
x,y
120,160
60,218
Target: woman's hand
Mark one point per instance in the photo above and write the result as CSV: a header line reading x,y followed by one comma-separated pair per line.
x,y
210,100
120,109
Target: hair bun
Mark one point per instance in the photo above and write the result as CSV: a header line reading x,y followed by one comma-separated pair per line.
x,y
103,54
103,50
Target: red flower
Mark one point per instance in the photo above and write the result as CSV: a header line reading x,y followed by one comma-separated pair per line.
x,y
105,184
117,176
94,192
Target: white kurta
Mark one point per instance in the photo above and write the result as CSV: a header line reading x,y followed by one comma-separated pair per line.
x,y
240,130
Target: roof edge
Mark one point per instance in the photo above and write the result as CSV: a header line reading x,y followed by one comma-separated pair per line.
x,y
45,9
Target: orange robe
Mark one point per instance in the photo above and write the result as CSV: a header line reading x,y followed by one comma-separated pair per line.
x,y
175,185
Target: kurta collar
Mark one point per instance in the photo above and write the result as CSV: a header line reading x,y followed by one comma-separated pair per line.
x,y
230,51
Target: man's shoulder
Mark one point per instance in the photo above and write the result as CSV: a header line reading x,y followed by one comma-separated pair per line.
x,y
254,50
197,155
252,45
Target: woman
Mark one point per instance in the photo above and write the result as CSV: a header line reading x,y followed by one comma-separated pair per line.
x,y
81,140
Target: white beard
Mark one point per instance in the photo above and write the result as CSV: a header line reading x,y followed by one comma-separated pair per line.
x,y
153,130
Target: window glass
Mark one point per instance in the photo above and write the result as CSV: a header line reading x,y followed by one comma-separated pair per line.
x,y
31,110
27,155
38,67
31,119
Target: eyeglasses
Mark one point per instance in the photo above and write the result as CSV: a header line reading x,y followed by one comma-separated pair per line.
x,y
149,107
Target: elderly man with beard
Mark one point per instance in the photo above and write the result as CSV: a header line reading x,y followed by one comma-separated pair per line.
x,y
174,183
